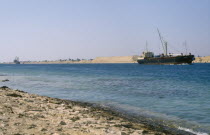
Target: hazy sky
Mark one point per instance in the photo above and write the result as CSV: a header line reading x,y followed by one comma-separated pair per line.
x,y
61,29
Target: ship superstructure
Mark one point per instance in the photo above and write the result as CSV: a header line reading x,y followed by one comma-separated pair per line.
x,y
16,60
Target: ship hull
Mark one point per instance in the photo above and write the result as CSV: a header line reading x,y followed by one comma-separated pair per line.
x,y
167,60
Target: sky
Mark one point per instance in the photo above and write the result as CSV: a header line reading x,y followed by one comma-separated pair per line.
x,y
85,29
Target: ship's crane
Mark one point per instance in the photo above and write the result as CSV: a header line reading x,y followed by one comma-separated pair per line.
x,y
164,43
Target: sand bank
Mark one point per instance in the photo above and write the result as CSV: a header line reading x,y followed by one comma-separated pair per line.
x,y
205,59
114,59
22,113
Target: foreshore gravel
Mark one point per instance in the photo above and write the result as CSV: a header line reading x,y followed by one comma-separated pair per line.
x,y
22,113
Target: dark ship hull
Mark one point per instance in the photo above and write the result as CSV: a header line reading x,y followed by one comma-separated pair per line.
x,y
167,60
17,62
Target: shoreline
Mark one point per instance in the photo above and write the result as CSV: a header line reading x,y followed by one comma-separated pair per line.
x,y
24,113
103,60
87,63
112,59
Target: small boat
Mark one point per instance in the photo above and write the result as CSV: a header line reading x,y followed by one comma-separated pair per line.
x,y
16,60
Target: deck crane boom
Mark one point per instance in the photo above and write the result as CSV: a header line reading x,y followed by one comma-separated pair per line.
x,y
164,43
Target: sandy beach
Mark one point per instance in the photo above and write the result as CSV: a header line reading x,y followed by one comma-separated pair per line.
x,y
23,114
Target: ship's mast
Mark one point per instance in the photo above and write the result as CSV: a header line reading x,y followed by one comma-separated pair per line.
x,y
166,48
164,44
17,58
185,45
146,46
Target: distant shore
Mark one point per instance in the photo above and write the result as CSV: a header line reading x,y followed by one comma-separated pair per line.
x,y
205,59
24,113
113,59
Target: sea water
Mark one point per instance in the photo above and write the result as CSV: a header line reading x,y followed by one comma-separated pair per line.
x,y
175,94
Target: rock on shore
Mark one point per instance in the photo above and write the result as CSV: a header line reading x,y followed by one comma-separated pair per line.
x,y
22,113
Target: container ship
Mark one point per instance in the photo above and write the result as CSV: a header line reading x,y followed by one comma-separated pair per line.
x,y
148,57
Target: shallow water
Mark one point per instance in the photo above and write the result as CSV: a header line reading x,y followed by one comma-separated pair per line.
x,y
175,94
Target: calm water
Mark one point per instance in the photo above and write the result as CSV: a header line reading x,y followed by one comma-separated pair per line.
x,y
178,94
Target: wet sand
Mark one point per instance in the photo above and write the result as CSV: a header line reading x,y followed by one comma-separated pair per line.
x,y
22,113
